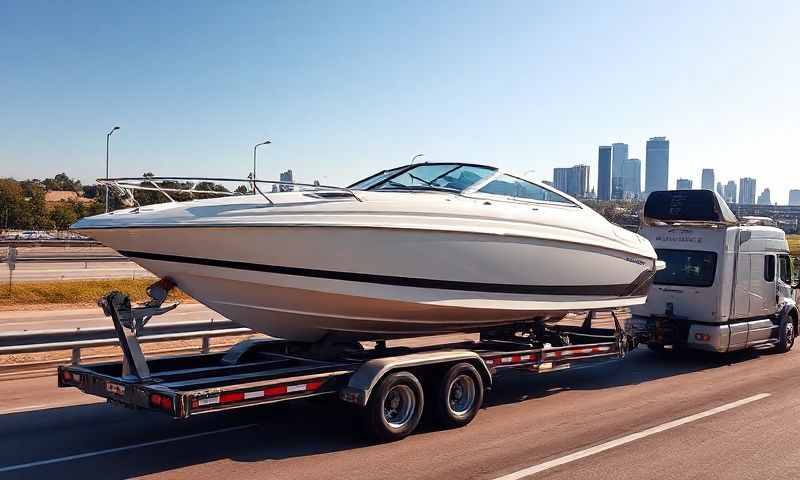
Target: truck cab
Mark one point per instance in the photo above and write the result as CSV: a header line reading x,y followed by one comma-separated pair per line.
x,y
727,284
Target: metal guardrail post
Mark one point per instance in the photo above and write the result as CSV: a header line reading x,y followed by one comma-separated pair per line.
x,y
76,355
206,345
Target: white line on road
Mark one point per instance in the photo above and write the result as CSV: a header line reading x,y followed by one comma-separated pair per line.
x,y
525,472
21,466
43,406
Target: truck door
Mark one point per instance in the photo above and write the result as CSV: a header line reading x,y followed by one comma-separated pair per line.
x,y
742,287
784,287
762,295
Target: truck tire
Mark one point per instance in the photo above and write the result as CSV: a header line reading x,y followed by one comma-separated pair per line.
x,y
787,336
395,407
459,396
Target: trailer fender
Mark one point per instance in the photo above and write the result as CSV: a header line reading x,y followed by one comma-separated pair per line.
x,y
366,378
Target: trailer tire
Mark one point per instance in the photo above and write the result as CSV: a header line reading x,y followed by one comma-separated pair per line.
x,y
459,396
395,408
787,336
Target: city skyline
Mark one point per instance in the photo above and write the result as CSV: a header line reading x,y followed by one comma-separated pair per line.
x,y
344,91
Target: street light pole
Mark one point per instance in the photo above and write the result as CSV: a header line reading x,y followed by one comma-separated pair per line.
x,y
415,157
267,142
108,139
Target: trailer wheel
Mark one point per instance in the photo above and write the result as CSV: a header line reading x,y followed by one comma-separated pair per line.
x,y
459,397
787,336
395,408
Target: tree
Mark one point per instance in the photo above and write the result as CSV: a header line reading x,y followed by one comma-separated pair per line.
x,y
63,215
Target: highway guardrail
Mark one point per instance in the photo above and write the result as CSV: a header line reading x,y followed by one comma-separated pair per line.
x,y
76,339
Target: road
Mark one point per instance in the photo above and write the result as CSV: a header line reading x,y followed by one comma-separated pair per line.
x,y
14,321
737,417
47,271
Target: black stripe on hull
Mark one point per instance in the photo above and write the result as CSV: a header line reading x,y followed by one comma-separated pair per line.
x,y
621,290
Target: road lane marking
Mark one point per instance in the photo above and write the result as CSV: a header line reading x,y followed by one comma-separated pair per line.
x,y
534,469
106,451
42,406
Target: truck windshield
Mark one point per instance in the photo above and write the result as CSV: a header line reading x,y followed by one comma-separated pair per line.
x,y
688,268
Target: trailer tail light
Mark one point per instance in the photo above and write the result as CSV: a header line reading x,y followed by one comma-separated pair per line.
x,y
68,376
273,391
702,337
161,401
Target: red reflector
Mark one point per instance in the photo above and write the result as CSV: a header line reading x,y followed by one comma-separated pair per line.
x,y
231,397
155,400
66,375
275,391
313,386
166,403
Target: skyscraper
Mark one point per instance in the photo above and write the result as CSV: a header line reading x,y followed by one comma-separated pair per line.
x,y
794,197
684,184
657,164
730,192
286,177
620,156
632,178
561,179
747,191
764,198
604,173
720,191
573,180
707,179
578,181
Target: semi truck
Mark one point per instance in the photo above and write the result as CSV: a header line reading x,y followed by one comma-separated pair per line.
x,y
728,282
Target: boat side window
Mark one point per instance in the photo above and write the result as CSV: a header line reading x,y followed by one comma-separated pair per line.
x,y
514,187
769,268
374,180
785,269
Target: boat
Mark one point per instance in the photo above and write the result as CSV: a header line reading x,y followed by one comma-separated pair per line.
x,y
420,249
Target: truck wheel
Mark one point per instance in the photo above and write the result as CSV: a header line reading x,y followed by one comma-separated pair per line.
x,y
394,409
786,337
459,397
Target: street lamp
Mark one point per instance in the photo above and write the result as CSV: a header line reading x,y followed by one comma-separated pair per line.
x,y
415,157
267,142
108,139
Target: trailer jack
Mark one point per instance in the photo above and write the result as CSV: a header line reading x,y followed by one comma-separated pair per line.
x,y
129,321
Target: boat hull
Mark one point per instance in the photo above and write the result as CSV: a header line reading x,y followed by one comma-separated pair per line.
x,y
305,282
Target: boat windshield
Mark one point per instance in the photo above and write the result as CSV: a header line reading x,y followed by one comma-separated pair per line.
x,y
453,177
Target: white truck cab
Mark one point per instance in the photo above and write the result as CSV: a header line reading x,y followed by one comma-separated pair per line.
x,y
727,284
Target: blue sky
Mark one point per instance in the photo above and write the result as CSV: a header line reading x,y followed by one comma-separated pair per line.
x,y
348,88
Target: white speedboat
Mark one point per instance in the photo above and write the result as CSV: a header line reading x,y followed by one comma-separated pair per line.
x,y
417,250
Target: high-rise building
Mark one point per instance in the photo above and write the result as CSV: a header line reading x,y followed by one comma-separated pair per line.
x,y
657,164
573,180
579,181
684,184
561,179
707,179
632,178
604,173
620,156
720,191
764,198
794,197
730,192
747,191
286,177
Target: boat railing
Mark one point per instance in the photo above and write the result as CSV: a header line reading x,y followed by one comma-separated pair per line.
x,y
195,186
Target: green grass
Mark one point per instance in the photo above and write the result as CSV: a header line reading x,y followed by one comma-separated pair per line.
x,y
794,244
75,292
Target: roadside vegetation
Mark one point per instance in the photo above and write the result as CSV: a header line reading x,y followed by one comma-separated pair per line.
x,y
24,204
75,292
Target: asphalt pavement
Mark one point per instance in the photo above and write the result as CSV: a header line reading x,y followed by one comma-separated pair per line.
x,y
647,416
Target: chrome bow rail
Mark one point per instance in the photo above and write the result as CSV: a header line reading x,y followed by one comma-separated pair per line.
x,y
127,185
